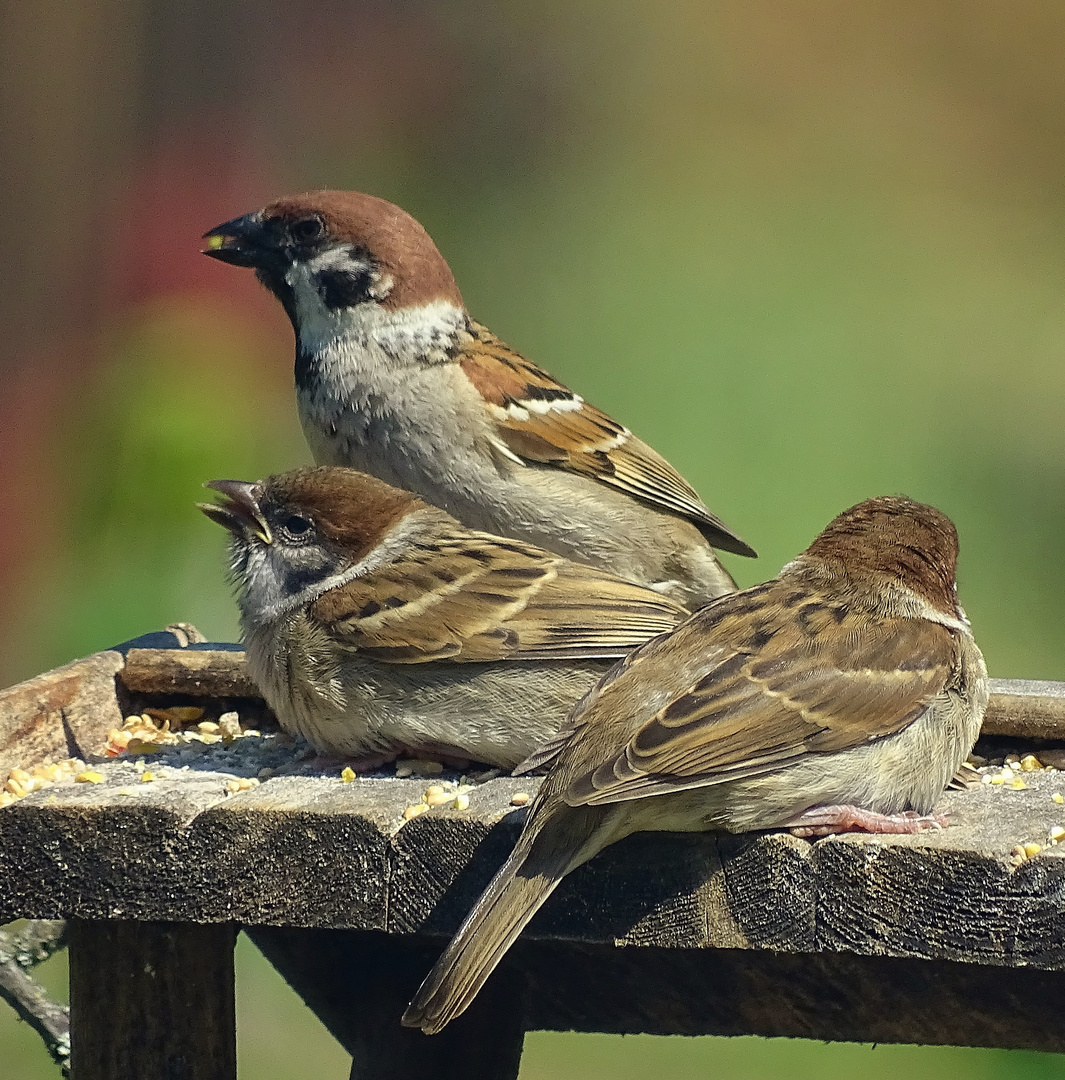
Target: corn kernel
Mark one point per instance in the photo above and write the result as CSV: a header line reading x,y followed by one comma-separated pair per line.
x,y
462,802
208,727
520,798
1032,849
1057,833
90,776
1057,797
1018,784
138,746
229,725
414,811
347,775
998,779
147,777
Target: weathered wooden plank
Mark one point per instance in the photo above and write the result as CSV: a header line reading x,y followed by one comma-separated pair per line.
x,y
152,999
63,713
565,986
1026,708
315,852
199,672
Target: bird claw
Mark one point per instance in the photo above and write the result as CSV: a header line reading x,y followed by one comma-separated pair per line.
x,y
829,820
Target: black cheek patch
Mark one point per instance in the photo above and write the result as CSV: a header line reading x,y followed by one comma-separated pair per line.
x,y
344,288
299,578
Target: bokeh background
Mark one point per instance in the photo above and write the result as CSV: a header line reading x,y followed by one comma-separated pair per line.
x,y
811,250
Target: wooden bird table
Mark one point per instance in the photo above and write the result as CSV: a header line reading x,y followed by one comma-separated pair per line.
x,y
953,937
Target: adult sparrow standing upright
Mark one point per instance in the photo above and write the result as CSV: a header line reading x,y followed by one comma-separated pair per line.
x,y
394,378
377,625
842,694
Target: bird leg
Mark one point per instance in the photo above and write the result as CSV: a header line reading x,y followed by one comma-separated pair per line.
x,y
826,820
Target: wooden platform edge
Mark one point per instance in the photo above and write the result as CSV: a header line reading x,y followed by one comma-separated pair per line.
x,y
67,712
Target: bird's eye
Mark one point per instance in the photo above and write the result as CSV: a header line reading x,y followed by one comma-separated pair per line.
x,y
307,230
296,527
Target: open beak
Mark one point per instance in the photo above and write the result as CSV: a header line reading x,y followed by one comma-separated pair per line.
x,y
240,512
244,241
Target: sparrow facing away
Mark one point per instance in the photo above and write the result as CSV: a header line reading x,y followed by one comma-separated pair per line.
x,y
377,625
394,378
842,694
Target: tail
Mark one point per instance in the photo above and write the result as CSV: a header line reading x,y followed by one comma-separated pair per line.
x,y
514,896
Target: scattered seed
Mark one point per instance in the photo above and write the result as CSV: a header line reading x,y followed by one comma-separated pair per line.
x,y
245,783
462,802
415,810
1057,797
520,798
1030,763
147,777
1018,784
176,714
1032,849
229,724
347,775
137,746
1057,833
90,776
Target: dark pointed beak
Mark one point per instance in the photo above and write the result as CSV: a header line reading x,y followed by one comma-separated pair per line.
x,y
240,512
244,241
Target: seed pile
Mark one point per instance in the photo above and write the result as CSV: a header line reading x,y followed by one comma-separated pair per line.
x,y
451,794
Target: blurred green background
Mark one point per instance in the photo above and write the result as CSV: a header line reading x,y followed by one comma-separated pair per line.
x,y
811,250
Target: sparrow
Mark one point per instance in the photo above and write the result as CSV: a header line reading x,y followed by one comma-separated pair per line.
x,y
377,625
842,694
394,378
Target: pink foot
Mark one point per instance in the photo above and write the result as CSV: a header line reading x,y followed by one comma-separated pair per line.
x,y
826,820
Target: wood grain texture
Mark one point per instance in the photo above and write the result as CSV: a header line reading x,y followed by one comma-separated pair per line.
x,y
314,852
1026,708
199,672
575,986
152,999
62,713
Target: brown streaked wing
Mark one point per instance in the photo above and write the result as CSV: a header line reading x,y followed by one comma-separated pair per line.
x,y
538,419
754,712
474,597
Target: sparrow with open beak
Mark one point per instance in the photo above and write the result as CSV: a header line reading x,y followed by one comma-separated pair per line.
x,y
843,694
377,625
394,378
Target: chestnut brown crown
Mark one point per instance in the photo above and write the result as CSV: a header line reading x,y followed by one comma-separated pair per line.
x,y
398,244
350,509
896,537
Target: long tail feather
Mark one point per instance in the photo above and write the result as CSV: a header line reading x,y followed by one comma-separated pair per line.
x,y
524,882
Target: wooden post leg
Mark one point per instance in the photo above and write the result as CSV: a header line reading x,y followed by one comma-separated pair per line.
x,y
358,984
484,1043
152,999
